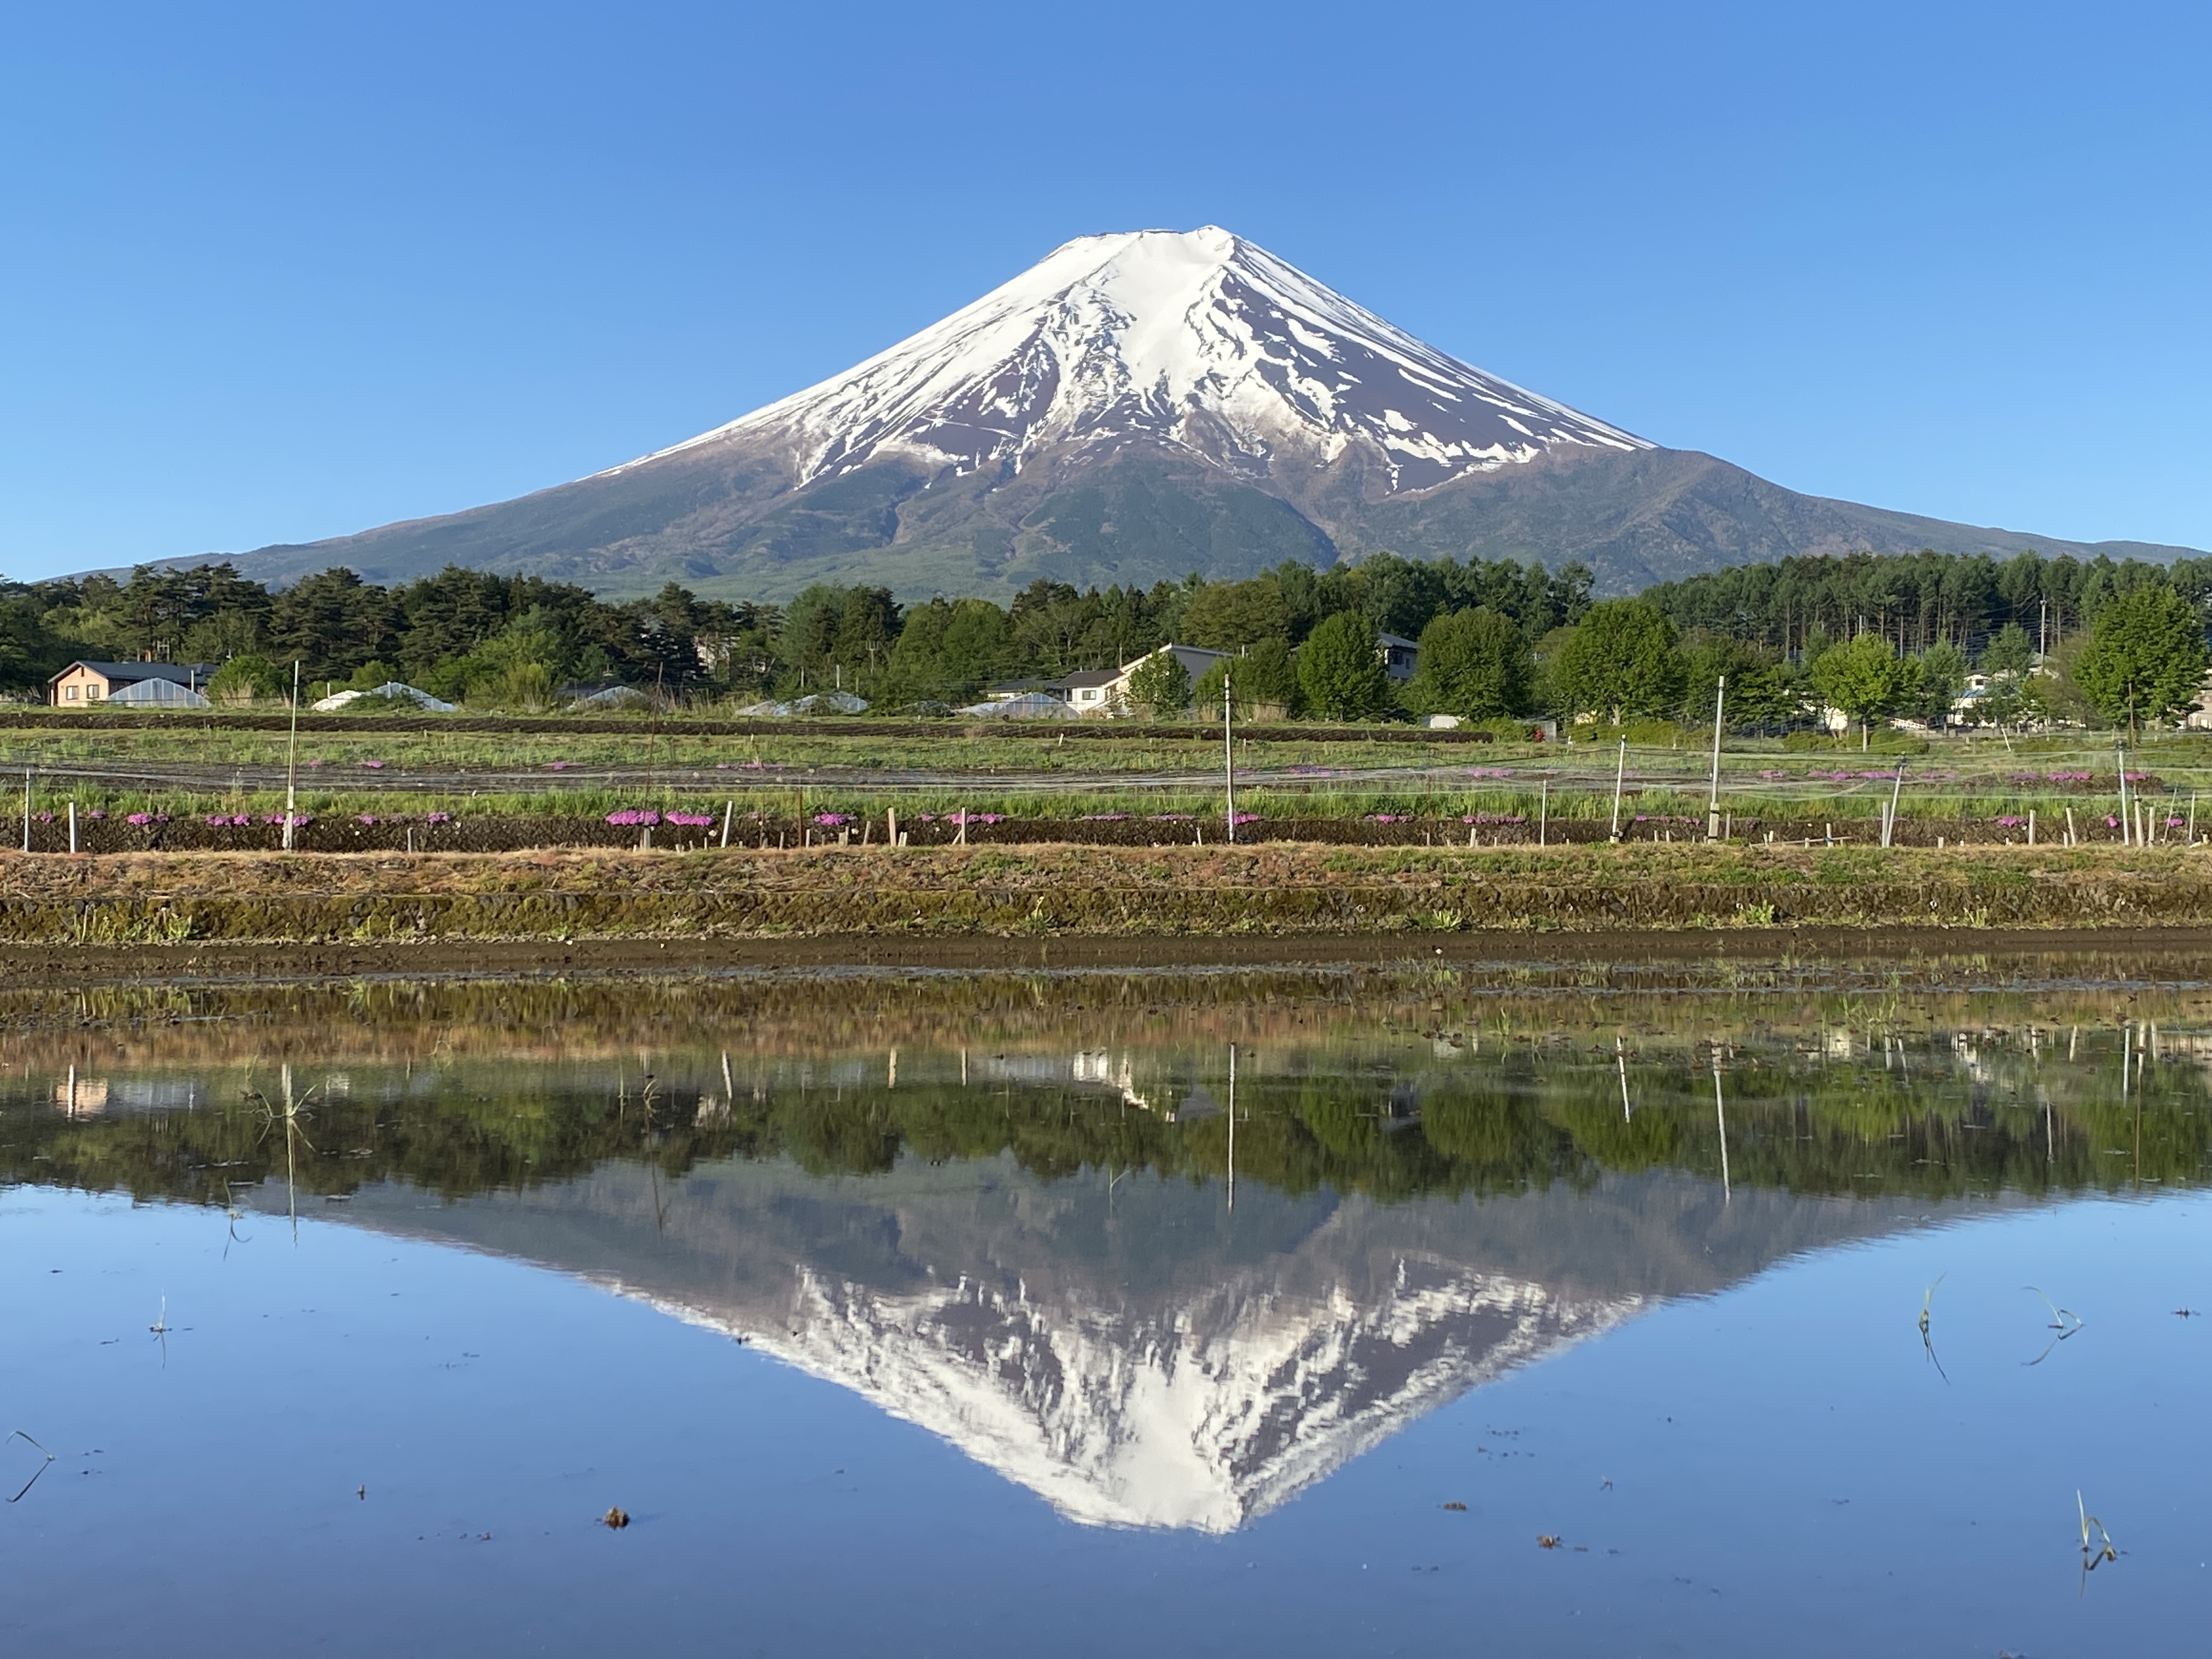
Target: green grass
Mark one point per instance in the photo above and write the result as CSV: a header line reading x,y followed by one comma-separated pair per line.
x,y
813,766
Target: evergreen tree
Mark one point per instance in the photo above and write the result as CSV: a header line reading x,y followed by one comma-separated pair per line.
x,y
1263,678
1160,685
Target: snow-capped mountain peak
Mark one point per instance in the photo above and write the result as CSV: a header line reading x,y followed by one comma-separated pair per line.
x,y
1199,340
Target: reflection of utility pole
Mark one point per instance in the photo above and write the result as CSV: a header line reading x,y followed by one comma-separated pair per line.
x,y
1620,1059
1720,1110
1233,1128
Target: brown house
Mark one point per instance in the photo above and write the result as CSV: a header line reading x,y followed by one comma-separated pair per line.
x,y
83,684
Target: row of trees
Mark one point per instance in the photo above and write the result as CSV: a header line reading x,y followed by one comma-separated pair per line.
x,y
1798,606
2143,660
510,640
1872,637
513,640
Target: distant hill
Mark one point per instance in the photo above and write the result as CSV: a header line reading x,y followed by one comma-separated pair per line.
x,y
1136,407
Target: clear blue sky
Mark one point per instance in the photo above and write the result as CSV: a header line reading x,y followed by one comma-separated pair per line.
x,y
271,273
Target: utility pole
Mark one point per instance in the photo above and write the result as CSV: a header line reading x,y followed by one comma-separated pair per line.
x,y
1713,804
292,761
1228,765
1620,771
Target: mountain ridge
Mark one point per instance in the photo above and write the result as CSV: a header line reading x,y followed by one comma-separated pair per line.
x,y
1134,407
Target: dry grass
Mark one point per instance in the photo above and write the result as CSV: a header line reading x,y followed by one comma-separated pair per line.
x,y
1276,888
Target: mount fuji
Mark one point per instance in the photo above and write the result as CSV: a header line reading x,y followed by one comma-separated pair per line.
x,y
1134,407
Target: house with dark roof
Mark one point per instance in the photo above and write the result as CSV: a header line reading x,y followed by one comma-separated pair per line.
x,y
1401,656
84,683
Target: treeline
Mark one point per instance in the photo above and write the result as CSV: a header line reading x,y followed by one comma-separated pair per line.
x,y
513,642
2056,640
1798,606
464,635
1505,1128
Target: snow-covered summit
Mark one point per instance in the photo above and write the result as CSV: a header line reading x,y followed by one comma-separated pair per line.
x,y
1197,339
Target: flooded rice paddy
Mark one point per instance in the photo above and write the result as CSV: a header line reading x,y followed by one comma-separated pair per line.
x,y
1520,1309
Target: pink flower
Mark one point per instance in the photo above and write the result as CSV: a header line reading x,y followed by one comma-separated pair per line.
x,y
373,766
632,817
832,820
690,820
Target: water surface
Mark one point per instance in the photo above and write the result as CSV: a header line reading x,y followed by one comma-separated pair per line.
x,y
1250,1311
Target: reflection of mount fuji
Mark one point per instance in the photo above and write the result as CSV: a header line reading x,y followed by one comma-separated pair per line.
x,y
1130,1349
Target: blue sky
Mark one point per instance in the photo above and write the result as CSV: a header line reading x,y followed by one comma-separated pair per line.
x,y
271,273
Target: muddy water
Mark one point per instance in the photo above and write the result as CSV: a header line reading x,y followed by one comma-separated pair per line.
x,y
1259,1308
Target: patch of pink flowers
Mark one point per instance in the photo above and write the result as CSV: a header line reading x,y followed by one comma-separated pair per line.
x,y
690,820
140,820
832,820
633,817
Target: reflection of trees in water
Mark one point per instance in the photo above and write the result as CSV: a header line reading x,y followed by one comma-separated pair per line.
x,y
1393,1121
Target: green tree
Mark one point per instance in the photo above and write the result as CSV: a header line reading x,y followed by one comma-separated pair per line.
x,y
1341,672
1865,679
244,679
333,621
2146,656
1475,663
1619,661
1760,683
948,650
1222,616
1942,677
1262,680
2009,651
1160,685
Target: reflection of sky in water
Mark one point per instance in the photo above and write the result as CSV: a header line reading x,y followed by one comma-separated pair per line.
x,y
998,1390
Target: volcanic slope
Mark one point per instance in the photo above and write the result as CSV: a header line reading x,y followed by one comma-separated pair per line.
x,y
1135,407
